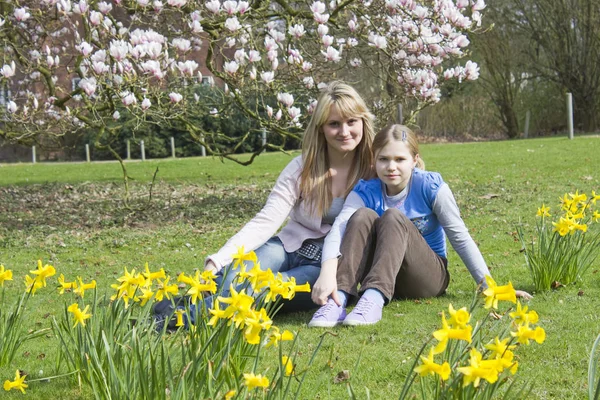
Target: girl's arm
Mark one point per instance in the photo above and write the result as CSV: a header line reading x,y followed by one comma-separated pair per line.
x,y
326,284
447,212
259,229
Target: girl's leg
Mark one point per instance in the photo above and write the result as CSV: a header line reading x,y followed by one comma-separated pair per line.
x,y
357,250
403,264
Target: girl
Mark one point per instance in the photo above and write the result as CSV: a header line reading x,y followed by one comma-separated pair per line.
x,y
395,243
336,154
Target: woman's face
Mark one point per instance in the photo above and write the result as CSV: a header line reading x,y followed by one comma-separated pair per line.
x,y
394,164
342,134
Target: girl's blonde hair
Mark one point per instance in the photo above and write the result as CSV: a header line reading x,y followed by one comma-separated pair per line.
x,y
315,180
399,133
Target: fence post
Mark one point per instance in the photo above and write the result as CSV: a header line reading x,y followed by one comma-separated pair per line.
x,y
33,154
143,151
128,150
203,149
400,116
264,139
570,114
172,147
87,152
527,118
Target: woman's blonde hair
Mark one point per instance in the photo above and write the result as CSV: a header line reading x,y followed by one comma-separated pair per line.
x,y
399,133
315,180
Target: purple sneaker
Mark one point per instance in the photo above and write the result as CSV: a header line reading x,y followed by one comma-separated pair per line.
x,y
328,316
366,312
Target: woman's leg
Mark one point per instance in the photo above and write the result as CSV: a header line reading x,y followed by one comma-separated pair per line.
x,y
357,250
403,264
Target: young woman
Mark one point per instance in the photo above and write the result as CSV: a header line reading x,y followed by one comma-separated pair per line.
x,y
336,154
394,230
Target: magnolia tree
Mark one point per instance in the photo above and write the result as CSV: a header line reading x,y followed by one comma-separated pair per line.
x,y
141,60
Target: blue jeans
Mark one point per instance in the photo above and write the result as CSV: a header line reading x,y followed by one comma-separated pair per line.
x,y
272,255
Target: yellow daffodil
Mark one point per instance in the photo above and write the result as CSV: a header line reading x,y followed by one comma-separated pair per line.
x,y
229,395
596,216
522,316
145,297
256,381
179,314
256,322
241,256
478,370
495,293
32,284
446,333
164,290
17,384
429,367
524,334
43,273
256,276
82,287
62,285
239,305
595,197
79,315
458,318
543,211
198,285
578,198
128,284
5,275
276,337
152,276
499,347
564,226
288,366
217,314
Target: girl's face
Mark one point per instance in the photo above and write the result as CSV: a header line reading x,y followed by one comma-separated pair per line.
x,y
342,134
394,164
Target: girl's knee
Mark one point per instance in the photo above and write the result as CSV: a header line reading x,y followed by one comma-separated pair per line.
x,y
363,216
393,214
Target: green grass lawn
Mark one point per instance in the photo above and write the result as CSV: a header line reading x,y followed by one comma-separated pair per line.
x,y
71,215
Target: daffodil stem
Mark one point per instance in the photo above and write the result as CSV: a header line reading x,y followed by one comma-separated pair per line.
x,y
52,377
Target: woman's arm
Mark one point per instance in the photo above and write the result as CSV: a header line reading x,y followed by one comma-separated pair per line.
x,y
267,221
326,284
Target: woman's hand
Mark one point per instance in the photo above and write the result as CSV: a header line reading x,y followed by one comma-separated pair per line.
x,y
326,284
523,295
210,266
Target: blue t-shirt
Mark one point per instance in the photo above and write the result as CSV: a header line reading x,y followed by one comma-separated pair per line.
x,y
417,206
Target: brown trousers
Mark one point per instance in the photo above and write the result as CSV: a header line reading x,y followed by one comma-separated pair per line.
x,y
388,253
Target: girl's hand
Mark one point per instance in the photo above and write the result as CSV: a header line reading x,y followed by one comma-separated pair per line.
x,y
324,287
210,266
523,295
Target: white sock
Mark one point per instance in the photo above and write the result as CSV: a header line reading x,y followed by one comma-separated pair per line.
x,y
343,296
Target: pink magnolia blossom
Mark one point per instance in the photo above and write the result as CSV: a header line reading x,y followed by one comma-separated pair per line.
x,y
182,44
267,77
278,115
104,7
327,40
332,54
352,25
312,105
231,67
286,98
99,67
146,104
196,27
269,111
317,7
243,6
96,18
253,73
85,48
321,18
377,41
297,31
88,85
471,71
81,8
143,3
479,5
214,6
230,7
21,14
308,82
157,6
175,97
116,115
177,3
240,56
322,30
294,113
187,68
11,106
128,99
8,71
119,49
306,66
232,24
270,44
253,56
